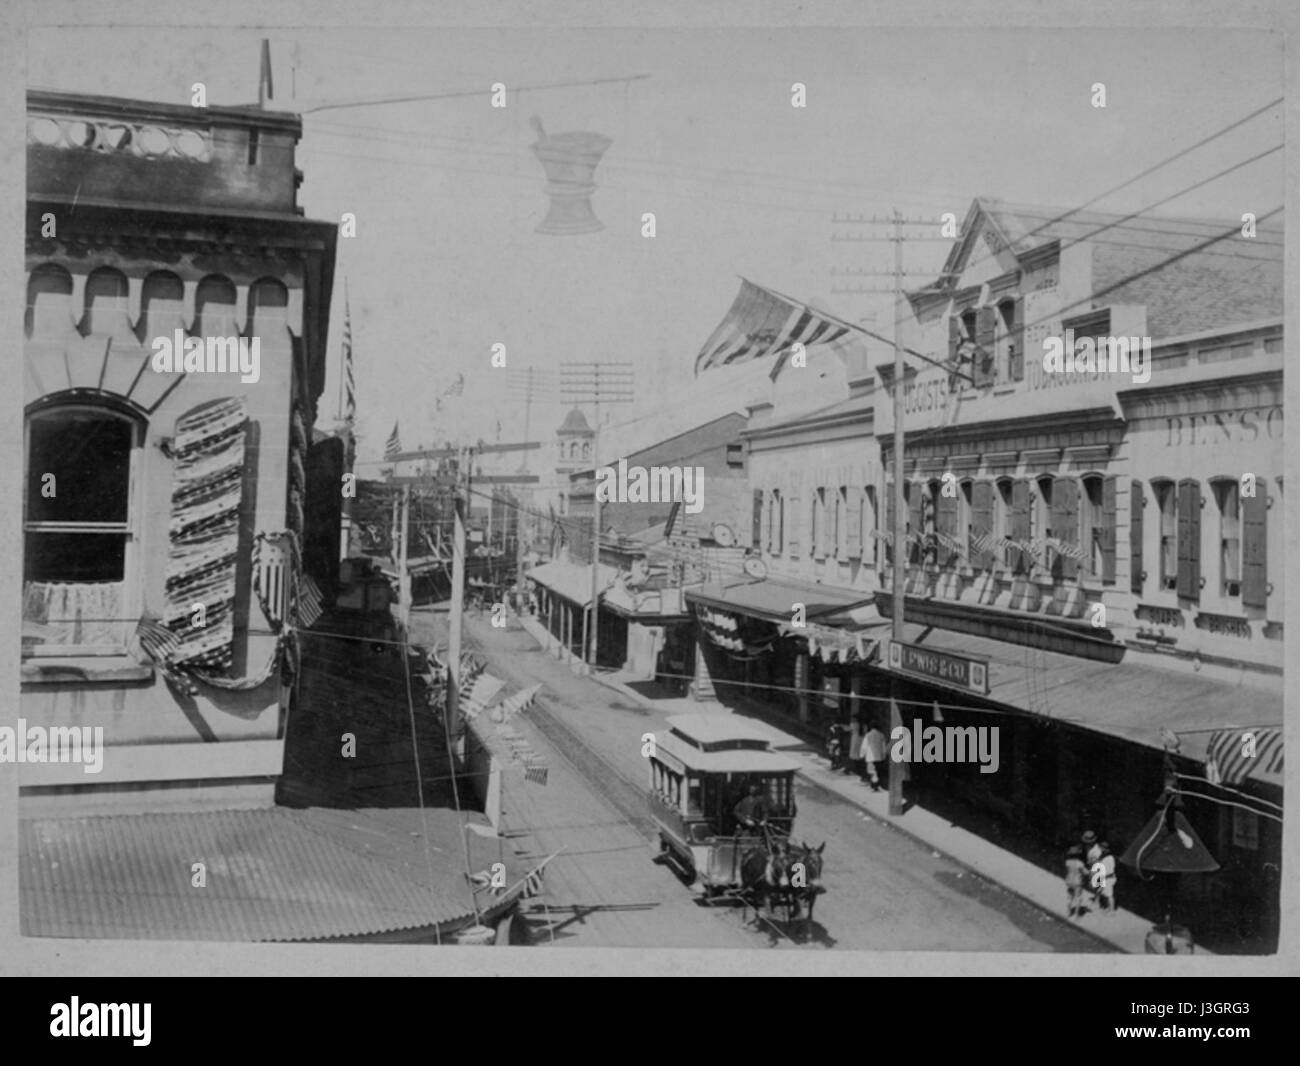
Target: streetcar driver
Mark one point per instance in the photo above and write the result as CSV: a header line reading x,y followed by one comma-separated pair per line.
x,y
751,812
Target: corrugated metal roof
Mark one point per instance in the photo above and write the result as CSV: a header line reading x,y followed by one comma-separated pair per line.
x,y
272,874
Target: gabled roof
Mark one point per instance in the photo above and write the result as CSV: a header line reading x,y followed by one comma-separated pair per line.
x,y
1230,281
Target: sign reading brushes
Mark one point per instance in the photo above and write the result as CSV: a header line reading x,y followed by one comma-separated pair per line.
x,y
959,671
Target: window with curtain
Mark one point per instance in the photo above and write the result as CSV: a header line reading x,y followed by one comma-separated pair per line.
x,y
1227,492
1167,501
78,529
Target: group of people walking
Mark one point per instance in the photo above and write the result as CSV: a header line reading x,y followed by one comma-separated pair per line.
x,y
1089,876
861,748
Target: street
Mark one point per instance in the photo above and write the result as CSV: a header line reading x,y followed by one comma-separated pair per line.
x,y
884,891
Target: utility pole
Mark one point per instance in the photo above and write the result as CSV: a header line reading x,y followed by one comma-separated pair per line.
x,y
896,222
460,494
595,383
403,575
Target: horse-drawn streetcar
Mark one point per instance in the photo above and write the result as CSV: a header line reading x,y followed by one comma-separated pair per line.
x,y
700,772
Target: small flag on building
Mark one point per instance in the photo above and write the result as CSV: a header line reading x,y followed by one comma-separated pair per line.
x,y
533,881
309,602
394,446
349,379
1235,754
535,772
762,323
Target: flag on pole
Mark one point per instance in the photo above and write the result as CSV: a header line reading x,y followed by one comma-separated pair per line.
x,y
534,881
394,446
762,323
309,602
349,379
265,89
536,772
1234,754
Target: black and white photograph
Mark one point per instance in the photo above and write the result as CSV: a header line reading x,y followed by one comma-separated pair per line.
x,y
801,489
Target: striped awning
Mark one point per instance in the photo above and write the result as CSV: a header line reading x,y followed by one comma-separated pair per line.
x,y
761,323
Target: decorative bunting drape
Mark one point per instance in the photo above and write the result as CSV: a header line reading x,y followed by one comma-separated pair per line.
x,y
204,532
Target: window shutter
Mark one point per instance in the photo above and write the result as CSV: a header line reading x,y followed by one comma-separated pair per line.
x,y
888,529
1254,530
981,523
1137,502
822,520
983,371
1106,535
1189,539
954,337
854,519
779,523
796,523
1065,522
915,518
756,538
1020,522
1017,360
945,522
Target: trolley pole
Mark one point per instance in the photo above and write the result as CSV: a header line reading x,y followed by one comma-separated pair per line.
x,y
459,497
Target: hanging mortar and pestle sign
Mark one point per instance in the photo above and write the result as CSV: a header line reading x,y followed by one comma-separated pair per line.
x,y
570,161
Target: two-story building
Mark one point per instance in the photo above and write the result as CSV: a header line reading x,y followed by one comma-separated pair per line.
x,y
177,309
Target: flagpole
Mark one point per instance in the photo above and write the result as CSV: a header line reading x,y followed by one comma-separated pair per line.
x,y
343,370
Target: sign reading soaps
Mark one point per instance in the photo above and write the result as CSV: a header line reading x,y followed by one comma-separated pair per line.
x,y
960,671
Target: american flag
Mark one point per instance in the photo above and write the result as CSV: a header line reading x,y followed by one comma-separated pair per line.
x,y
761,323
349,380
535,772
533,885
1235,754
309,602
394,446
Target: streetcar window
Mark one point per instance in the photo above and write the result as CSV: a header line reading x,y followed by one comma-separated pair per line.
x,y
694,798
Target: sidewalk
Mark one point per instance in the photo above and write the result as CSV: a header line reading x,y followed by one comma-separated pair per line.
x,y
1124,930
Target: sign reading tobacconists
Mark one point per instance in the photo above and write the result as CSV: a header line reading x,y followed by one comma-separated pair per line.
x,y
961,671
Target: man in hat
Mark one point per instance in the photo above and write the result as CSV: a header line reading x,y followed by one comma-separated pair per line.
x,y
1074,880
751,813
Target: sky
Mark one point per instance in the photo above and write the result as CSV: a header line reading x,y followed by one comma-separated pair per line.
x,y
447,193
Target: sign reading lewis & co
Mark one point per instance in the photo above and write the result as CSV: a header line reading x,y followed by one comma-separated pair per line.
x,y
961,671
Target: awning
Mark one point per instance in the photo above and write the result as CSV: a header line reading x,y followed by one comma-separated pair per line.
x,y
773,601
1133,700
572,581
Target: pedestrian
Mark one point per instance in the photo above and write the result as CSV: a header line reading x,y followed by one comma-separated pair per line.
x,y
855,747
1091,849
1074,880
835,745
873,748
1104,878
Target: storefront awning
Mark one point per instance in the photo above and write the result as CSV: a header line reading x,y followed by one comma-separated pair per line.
x,y
571,580
1133,700
773,601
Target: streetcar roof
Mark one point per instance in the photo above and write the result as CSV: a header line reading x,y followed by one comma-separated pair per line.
x,y
718,730
727,760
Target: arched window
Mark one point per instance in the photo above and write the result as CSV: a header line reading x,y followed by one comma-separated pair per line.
x,y
268,311
1040,520
586,450
870,545
215,307
1003,504
49,302
78,528
106,303
162,302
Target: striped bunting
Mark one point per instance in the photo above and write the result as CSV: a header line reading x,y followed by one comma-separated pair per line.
x,y
761,323
1235,754
479,694
520,701
204,533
